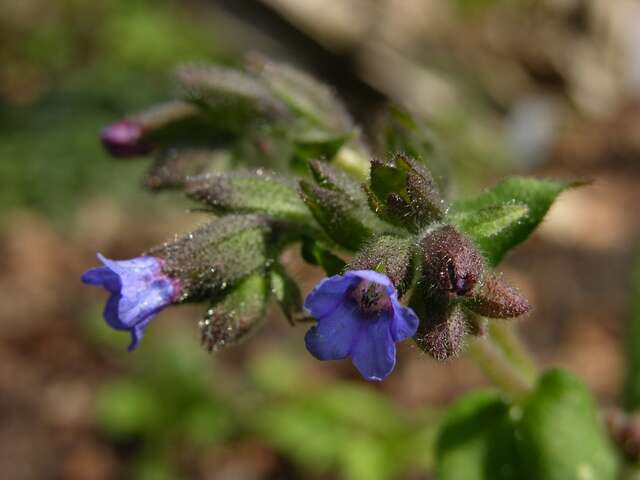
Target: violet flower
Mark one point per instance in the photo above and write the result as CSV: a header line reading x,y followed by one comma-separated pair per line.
x,y
359,316
125,139
139,290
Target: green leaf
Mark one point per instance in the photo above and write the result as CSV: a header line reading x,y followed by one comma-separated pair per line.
x,y
125,409
536,195
485,225
560,436
251,193
632,345
476,440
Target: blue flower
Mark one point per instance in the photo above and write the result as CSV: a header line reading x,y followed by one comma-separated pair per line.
x,y
359,316
139,290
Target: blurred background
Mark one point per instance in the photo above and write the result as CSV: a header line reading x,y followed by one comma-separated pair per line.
x,y
541,87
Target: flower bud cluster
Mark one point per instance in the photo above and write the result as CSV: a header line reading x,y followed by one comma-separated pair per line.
x,y
390,240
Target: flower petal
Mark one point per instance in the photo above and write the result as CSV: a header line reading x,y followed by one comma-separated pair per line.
x,y
104,277
140,301
137,333
334,335
111,313
327,295
374,353
372,276
404,323
133,266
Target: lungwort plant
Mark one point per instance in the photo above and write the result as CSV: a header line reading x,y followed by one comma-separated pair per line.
x,y
276,159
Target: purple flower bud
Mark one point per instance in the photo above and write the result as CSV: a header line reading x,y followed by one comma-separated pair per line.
x,y
125,139
496,299
359,316
443,331
139,290
453,266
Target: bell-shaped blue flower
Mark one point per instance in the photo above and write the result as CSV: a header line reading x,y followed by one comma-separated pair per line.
x,y
139,290
359,316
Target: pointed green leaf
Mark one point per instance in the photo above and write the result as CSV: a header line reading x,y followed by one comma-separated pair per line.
x,y
476,440
501,202
560,436
485,225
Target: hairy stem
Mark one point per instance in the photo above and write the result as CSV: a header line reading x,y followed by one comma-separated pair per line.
x,y
497,367
506,338
354,162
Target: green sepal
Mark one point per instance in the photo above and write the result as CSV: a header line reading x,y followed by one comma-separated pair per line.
x,y
403,133
477,440
560,436
175,122
260,192
173,166
403,192
231,98
303,94
346,222
339,205
390,255
238,314
286,292
265,144
217,255
329,177
506,201
316,253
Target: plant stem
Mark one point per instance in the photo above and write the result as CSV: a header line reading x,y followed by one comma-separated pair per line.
x,y
507,339
354,162
499,369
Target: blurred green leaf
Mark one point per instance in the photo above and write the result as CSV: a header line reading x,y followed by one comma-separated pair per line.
x,y
126,409
632,343
365,458
536,195
477,441
275,374
560,436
